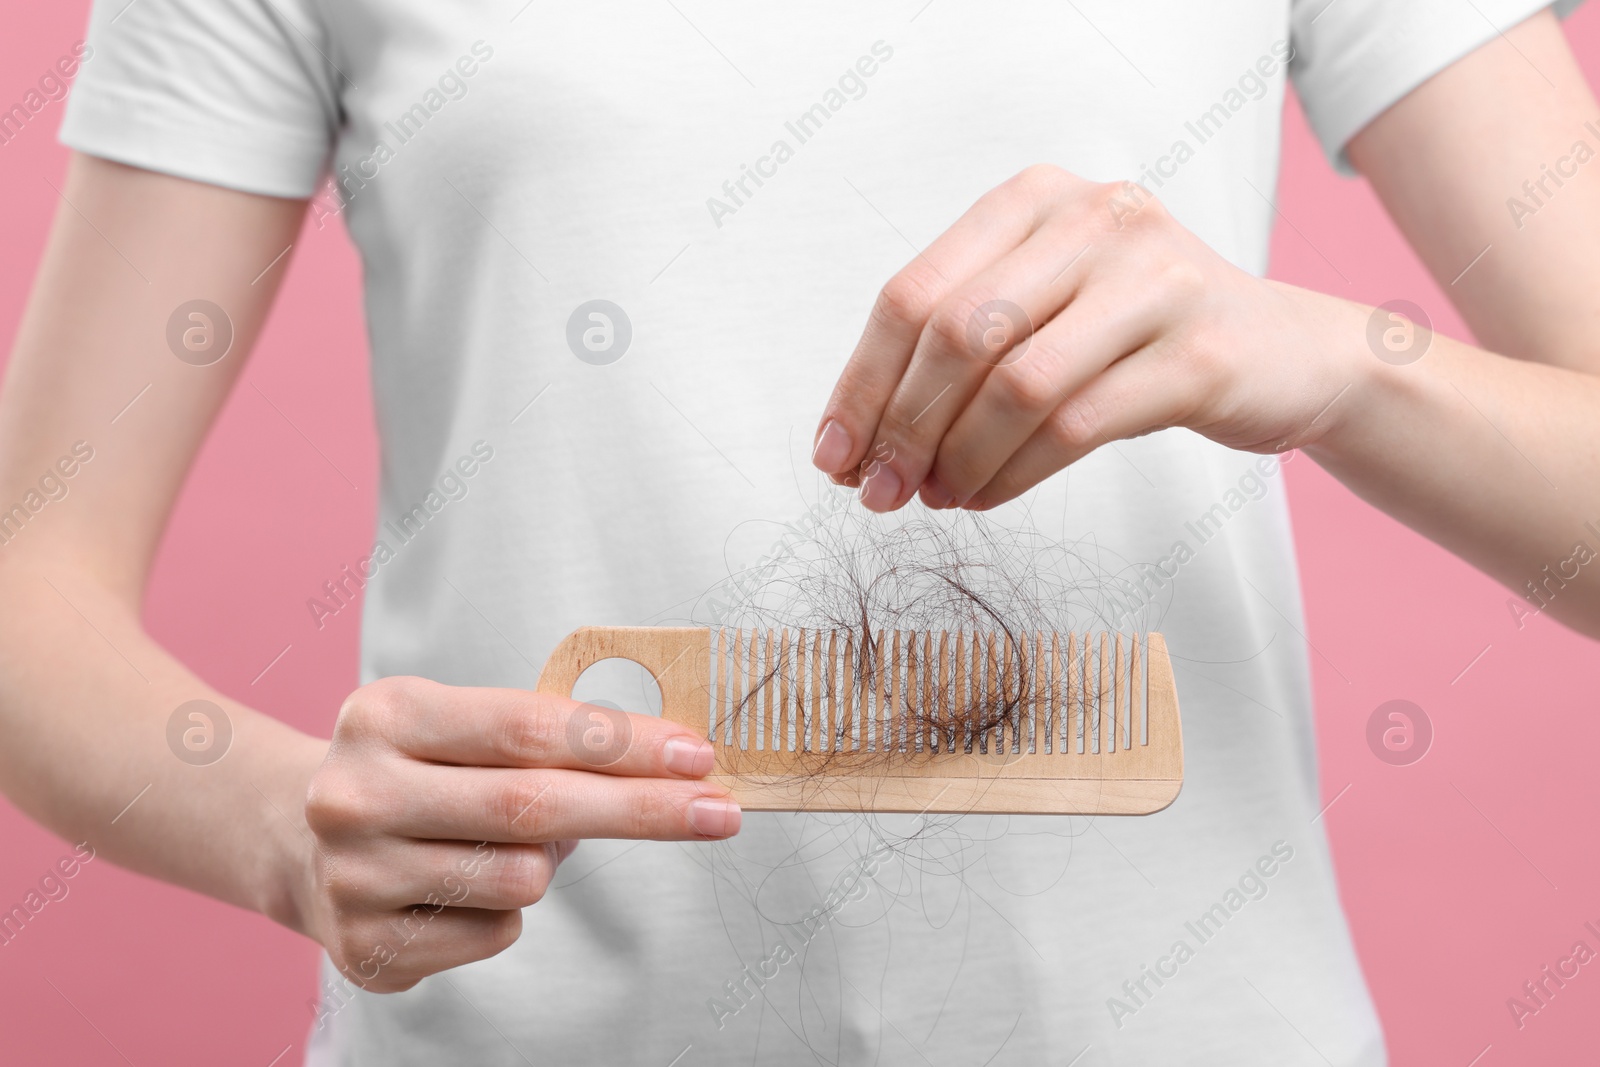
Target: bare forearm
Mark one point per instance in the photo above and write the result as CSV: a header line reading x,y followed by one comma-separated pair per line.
x,y
1496,459
85,702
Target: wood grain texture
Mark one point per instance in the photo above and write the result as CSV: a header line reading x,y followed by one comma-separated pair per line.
x,y
806,722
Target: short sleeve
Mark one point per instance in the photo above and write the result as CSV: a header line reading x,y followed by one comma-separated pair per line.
x,y
238,93
1354,58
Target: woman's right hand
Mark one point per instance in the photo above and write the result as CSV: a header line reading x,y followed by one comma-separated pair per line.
x,y
440,812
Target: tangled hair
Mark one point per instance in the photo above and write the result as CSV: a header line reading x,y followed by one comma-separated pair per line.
x,y
930,628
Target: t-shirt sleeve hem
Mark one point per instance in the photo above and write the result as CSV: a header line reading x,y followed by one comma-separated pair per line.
x,y
1343,114
264,161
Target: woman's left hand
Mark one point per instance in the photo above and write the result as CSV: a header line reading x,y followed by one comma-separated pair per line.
x,y
1058,315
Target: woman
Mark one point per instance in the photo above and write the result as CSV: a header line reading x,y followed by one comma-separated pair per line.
x,y
673,219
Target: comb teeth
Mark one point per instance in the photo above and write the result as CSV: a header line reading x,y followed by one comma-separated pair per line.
x,y
823,691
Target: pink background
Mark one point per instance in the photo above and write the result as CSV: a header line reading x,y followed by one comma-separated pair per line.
x,y
1461,873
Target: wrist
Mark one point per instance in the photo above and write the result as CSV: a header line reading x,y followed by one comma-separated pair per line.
x,y
1358,376
288,886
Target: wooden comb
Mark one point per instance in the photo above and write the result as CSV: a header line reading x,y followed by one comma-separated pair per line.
x,y
808,720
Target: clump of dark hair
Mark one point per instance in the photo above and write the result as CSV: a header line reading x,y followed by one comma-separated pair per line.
x,y
975,600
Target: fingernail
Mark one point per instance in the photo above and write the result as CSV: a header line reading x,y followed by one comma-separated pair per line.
x,y
935,496
880,490
833,448
711,817
687,757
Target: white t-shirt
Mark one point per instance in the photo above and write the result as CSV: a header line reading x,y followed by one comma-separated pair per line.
x,y
740,180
